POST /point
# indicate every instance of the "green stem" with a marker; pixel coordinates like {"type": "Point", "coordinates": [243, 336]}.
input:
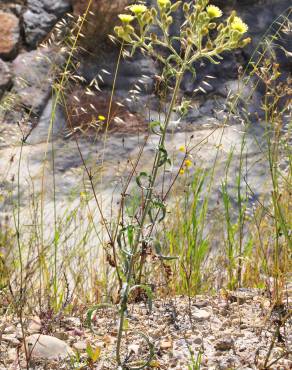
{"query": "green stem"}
{"type": "Point", "coordinates": [146, 209]}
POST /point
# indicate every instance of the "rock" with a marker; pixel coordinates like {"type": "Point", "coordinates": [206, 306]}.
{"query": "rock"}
{"type": "Point", "coordinates": [11, 355]}
{"type": "Point", "coordinates": [9, 329]}
{"type": "Point", "coordinates": [47, 347]}
{"type": "Point", "coordinates": [40, 132]}
{"type": "Point", "coordinates": [9, 35]}
{"type": "Point", "coordinates": [33, 75]}
{"type": "Point", "coordinates": [34, 325]}
{"type": "Point", "coordinates": [201, 315]}
{"type": "Point", "coordinates": [10, 339]}
{"type": "Point", "coordinates": [198, 341]}
{"type": "Point", "coordinates": [165, 344]}
{"type": "Point", "coordinates": [63, 335]}
{"type": "Point", "coordinates": [224, 344]}
{"type": "Point", "coordinates": [5, 77]}
{"type": "Point", "coordinates": [80, 346]}
{"type": "Point", "coordinates": [130, 71]}
{"type": "Point", "coordinates": [40, 16]}
{"type": "Point", "coordinates": [134, 349]}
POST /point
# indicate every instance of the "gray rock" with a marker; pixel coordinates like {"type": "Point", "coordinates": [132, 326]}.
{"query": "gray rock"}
{"type": "Point", "coordinates": [34, 325]}
{"type": "Point", "coordinates": [9, 35]}
{"type": "Point", "coordinates": [224, 344]}
{"type": "Point", "coordinates": [201, 315]}
{"type": "Point", "coordinates": [40, 132]}
{"type": "Point", "coordinates": [5, 77]}
{"type": "Point", "coordinates": [10, 339]}
{"type": "Point", "coordinates": [33, 75]}
{"type": "Point", "coordinates": [130, 71]}
{"type": "Point", "coordinates": [46, 347]}
{"type": "Point", "coordinates": [80, 346]}
{"type": "Point", "coordinates": [40, 16]}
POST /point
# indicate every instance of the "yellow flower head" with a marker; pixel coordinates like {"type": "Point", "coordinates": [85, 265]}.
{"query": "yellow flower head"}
{"type": "Point", "coordinates": [239, 25]}
{"type": "Point", "coordinates": [181, 171]}
{"type": "Point", "coordinates": [213, 11]}
{"type": "Point", "coordinates": [126, 18]}
{"type": "Point", "coordinates": [138, 9]}
{"type": "Point", "coordinates": [182, 149]}
{"type": "Point", "coordinates": [101, 118]}
{"type": "Point", "coordinates": [163, 3]}
{"type": "Point", "coordinates": [188, 163]}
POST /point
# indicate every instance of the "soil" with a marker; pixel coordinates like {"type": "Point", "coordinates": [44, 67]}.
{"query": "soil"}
{"type": "Point", "coordinates": [232, 330]}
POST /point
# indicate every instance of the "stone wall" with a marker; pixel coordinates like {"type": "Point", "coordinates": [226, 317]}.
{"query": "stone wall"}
{"type": "Point", "coordinates": [28, 72]}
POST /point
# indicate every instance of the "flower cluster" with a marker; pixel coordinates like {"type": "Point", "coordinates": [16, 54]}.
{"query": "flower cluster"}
{"type": "Point", "coordinates": [202, 33]}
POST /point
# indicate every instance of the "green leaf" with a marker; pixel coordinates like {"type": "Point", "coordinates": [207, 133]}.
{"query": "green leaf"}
{"type": "Point", "coordinates": [89, 351]}
{"type": "Point", "coordinates": [95, 308]}
{"type": "Point", "coordinates": [158, 250]}
{"type": "Point", "coordinates": [139, 180]}
{"type": "Point", "coordinates": [147, 363]}
{"type": "Point", "coordinates": [157, 203]}
{"type": "Point", "coordinates": [96, 354]}
{"type": "Point", "coordinates": [154, 125]}
{"type": "Point", "coordinates": [163, 156]}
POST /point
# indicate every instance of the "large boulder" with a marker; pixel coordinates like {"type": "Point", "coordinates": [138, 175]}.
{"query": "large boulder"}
{"type": "Point", "coordinates": [34, 73]}
{"type": "Point", "coordinates": [9, 35]}
{"type": "Point", "coordinates": [47, 347]}
{"type": "Point", "coordinates": [40, 16]}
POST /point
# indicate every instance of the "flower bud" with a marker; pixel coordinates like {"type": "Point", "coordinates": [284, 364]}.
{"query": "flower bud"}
{"type": "Point", "coordinates": [119, 31]}
{"type": "Point", "coordinates": [129, 29]}
{"type": "Point", "coordinates": [209, 45]}
{"type": "Point", "coordinates": [212, 26]}
{"type": "Point", "coordinates": [193, 18]}
{"type": "Point", "coordinates": [146, 17]}
{"type": "Point", "coordinates": [175, 6]}
{"type": "Point", "coordinates": [205, 31]}
{"type": "Point", "coordinates": [153, 12]}
{"type": "Point", "coordinates": [202, 17]}
{"type": "Point", "coordinates": [244, 42]}
{"type": "Point", "coordinates": [169, 20]}
{"type": "Point", "coordinates": [235, 35]}
{"type": "Point", "coordinates": [153, 37]}
{"type": "Point", "coordinates": [189, 32]}
{"type": "Point", "coordinates": [164, 18]}
{"type": "Point", "coordinates": [163, 3]}
{"type": "Point", "coordinates": [232, 16]}
{"type": "Point", "coordinates": [220, 27]}
{"type": "Point", "coordinates": [189, 41]}
{"type": "Point", "coordinates": [186, 7]}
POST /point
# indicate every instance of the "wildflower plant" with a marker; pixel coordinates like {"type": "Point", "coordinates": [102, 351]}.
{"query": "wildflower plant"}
{"type": "Point", "coordinates": [203, 36]}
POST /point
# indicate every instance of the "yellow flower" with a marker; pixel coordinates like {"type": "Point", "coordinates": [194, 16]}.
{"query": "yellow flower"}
{"type": "Point", "coordinates": [126, 18]}
{"type": "Point", "coordinates": [213, 11]}
{"type": "Point", "coordinates": [182, 149]}
{"type": "Point", "coordinates": [181, 171]}
{"type": "Point", "coordinates": [138, 9]}
{"type": "Point", "coordinates": [188, 163]}
{"type": "Point", "coordinates": [239, 25]}
{"type": "Point", "coordinates": [163, 3]}
{"type": "Point", "coordinates": [101, 118]}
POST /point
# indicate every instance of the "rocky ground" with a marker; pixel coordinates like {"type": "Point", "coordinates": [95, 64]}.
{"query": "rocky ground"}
{"type": "Point", "coordinates": [234, 330]}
